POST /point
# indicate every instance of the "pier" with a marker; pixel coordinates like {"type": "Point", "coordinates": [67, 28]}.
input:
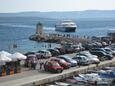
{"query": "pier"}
{"type": "Point", "coordinates": [40, 77]}
{"type": "Point", "coordinates": [59, 38]}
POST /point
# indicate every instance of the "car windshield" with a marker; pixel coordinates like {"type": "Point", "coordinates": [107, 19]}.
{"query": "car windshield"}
{"type": "Point", "coordinates": [55, 64]}
{"type": "Point", "coordinates": [63, 61]}
{"type": "Point", "coordinates": [108, 50]}
{"type": "Point", "coordinates": [84, 58]}
{"type": "Point", "coordinates": [87, 55]}
{"type": "Point", "coordinates": [104, 53]}
{"type": "Point", "coordinates": [68, 58]}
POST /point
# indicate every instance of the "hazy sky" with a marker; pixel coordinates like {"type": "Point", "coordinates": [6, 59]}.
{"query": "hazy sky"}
{"type": "Point", "coordinates": [55, 5]}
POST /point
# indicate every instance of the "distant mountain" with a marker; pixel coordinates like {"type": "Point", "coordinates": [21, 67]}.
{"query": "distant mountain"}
{"type": "Point", "coordinates": [67, 15]}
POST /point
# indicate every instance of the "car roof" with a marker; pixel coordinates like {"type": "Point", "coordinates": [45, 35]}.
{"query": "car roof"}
{"type": "Point", "coordinates": [44, 50]}
{"type": "Point", "coordinates": [54, 58]}
{"type": "Point", "coordinates": [81, 56]}
{"type": "Point", "coordinates": [65, 56]}
{"type": "Point", "coordinates": [50, 61]}
{"type": "Point", "coordinates": [84, 52]}
{"type": "Point", "coordinates": [51, 49]}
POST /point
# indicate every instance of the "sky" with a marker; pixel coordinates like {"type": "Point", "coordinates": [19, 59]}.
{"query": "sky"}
{"type": "Point", "coordinates": [7, 6]}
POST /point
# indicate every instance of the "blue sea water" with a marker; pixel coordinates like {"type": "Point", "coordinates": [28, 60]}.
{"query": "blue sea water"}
{"type": "Point", "coordinates": [16, 30]}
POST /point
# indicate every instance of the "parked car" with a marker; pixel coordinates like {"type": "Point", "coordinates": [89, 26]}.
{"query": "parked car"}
{"type": "Point", "coordinates": [44, 54]}
{"type": "Point", "coordinates": [54, 52]}
{"type": "Point", "coordinates": [102, 49]}
{"type": "Point", "coordinates": [61, 50]}
{"type": "Point", "coordinates": [29, 58]}
{"type": "Point", "coordinates": [68, 48]}
{"type": "Point", "coordinates": [82, 60]}
{"type": "Point", "coordinates": [101, 55]}
{"type": "Point", "coordinates": [112, 46]}
{"type": "Point", "coordinates": [69, 60]}
{"type": "Point", "coordinates": [110, 50]}
{"type": "Point", "coordinates": [53, 66]}
{"type": "Point", "coordinates": [57, 51]}
{"type": "Point", "coordinates": [87, 46]}
{"type": "Point", "coordinates": [93, 58]}
{"type": "Point", "coordinates": [78, 47]}
{"type": "Point", "coordinates": [91, 45]}
{"type": "Point", "coordinates": [29, 53]}
{"type": "Point", "coordinates": [62, 62]}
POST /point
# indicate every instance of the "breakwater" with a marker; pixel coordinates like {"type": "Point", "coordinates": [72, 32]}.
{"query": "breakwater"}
{"type": "Point", "coordinates": [60, 38]}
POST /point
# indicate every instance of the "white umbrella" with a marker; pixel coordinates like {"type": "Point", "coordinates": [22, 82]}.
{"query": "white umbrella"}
{"type": "Point", "coordinates": [4, 58]}
{"type": "Point", "coordinates": [5, 53]}
{"type": "Point", "coordinates": [18, 56]}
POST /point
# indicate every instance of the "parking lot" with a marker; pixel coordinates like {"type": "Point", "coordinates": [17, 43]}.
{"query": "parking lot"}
{"type": "Point", "coordinates": [28, 77]}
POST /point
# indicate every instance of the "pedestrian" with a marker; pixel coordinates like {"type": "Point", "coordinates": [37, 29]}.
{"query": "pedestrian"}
{"type": "Point", "coordinates": [29, 64]}
{"type": "Point", "coordinates": [41, 64]}
{"type": "Point", "coordinates": [34, 62]}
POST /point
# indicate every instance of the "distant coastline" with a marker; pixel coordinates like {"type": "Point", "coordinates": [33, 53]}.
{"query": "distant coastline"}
{"type": "Point", "coordinates": [104, 14]}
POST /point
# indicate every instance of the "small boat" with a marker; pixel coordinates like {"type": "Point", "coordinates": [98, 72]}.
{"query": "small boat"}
{"type": "Point", "coordinates": [87, 78]}
{"type": "Point", "coordinates": [66, 26]}
{"type": "Point", "coordinates": [51, 85]}
{"type": "Point", "coordinates": [104, 81]}
{"type": "Point", "coordinates": [80, 79]}
{"type": "Point", "coordinates": [72, 81]}
{"type": "Point", "coordinates": [107, 74]}
{"type": "Point", "coordinates": [109, 68]}
{"type": "Point", "coordinates": [62, 84]}
{"type": "Point", "coordinates": [92, 78]}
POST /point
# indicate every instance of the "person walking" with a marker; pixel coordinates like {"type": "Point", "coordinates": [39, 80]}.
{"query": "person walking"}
{"type": "Point", "coordinates": [34, 62]}
{"type": "Point", "coordinates": [41, 63]}
{"type": "Point", "coordinates": [30, 64]}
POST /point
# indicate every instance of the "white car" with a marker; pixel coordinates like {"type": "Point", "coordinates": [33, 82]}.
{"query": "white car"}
{"type": "Point", "coordinates": [44, 53]}
{"type": "Point", "coordinates": [110, 50]}
{"type": "Point", "coordinates": [93, 58]}
{"type": "Point", "coordinates": [82, 60]}
{"type": "Point", "coordinates": [112, 46]}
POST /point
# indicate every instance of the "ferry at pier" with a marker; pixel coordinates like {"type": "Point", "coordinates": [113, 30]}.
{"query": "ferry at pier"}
{"type": "Point", "coordinates": [66, 26]}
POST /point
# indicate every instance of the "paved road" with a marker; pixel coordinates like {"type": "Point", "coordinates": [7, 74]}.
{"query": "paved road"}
{"type": "Point", "coordinates": [17, 79]}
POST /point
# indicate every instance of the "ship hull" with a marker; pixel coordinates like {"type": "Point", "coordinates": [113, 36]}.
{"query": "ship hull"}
{"type": "Point", "coordinates": [66, 29]}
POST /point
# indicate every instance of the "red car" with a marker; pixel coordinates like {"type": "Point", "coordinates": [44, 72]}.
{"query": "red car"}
{"type": "Point", "coordinates": [53, 66]}
{"type": "Point", "coordinates": [62, 62]}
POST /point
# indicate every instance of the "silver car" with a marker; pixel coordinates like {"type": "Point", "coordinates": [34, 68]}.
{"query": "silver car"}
{"type": "Point", "coordinates": [93, 58]}
{"type": "Point", "coordinates": [82, 60]}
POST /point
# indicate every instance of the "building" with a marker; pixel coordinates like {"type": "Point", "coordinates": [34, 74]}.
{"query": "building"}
{"type": "Point", "coordinates": [39, 28]}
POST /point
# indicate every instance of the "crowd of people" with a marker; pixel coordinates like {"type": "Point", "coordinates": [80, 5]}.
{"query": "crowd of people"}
{"type": "Point", "coordinates": [36, 63]}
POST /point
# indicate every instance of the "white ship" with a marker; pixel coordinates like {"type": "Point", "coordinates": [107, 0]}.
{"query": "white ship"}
{"type": "Point", "coordinates": [66, 26]}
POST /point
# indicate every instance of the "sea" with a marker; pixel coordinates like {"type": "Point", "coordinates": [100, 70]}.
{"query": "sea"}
{"type": "Point", "coordinates": [16, 31]}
